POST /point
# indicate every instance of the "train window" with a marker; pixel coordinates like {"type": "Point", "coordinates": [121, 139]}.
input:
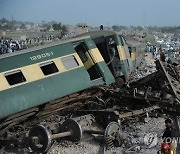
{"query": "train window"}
{"type": "Point", "coordinates": [69, 62]}
{"type": "Point", "coordinates": [48, 68]}
{"type": "Point", "coordinates": [15, 77]}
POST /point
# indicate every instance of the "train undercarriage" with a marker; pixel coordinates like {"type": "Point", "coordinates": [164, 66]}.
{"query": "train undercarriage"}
{"type": "Point", "coordinates": [100, 110]}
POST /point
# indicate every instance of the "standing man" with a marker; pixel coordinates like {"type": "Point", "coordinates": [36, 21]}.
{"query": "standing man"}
{"type": "Point", "coordinates": [169, 135]}
{"type": "Point", "coordinates": [101, 27]}
{"type": "Point", "coordinates": [162, 56]}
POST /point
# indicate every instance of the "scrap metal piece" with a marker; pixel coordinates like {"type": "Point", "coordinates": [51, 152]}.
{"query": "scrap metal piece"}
{"type": "Point", "coordinates": [172, 76]}
{"type": "Point", "coordinates": [162, 86]}
{"type": "Point", "coordinates": [112, 113]}
{"type": "Point", "coordinates": [138, 112]}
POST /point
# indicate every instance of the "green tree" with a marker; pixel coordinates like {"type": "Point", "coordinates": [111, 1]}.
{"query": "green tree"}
{"type": "Point", "coordinates": [22, 26]}
{"type": "Point", "coordinates": [118, 28]}
{"type": "Point", "coordinates": [46, 26]}
{"type": "Point", "coordinates": [57, 26]}
{"type": "Point", "coordinates": [3, 20]}
{"type": "Point", "coordinates": [115, 28]}
{"type": "Point", "coordinates": [64, 28]}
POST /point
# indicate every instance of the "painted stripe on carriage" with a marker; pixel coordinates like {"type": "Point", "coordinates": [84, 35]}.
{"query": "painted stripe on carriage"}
{"type": "Point", "coordinates": [95, 55]}
{"type": "Point", "coordinates": [121, 52]}
{"type": "Point", "coordinates": [33, 72]}
{"type": "Point", "coordinates": [133, 55]}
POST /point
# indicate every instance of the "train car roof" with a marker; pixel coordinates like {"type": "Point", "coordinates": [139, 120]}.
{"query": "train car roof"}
{"type": "Point", "coordinates": [42, 47]}
{"type": "Point", "coordinates": [132, 43]}
{"type": "Point", "coordinates": [98, 33]}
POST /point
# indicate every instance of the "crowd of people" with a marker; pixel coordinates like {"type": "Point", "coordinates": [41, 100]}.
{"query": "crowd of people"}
{"type": "Point", "coordinates": [8, 45]}
{"type": "Point", "coordinates": [168, 56]}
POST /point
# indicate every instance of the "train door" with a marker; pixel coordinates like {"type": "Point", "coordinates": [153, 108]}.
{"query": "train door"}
{"type": "Point", "coordinates": [114, 55]}
{"type": "Point", "coordinates": [102, 47]}
{"type": "Point", "coordinates": [88, 61]}
{"type": "Point", "coordinates": [108, 50]}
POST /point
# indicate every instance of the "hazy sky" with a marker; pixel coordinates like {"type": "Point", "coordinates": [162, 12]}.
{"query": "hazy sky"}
{"type": "Point", "coordinates": [94, 12]}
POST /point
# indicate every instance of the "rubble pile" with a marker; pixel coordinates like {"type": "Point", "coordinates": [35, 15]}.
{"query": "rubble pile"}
{"type": "Point", "coordinates": [144, 137]}
{"type": "Point", "coordinates": [147, 67]}
{"type": "Point", "coordinates": [67, 147]}
{"type": "Point", "coordinates": [90, 146]}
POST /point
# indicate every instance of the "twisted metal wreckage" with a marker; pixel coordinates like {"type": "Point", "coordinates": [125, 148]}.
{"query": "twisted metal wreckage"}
{"type": "Point", "coordinates": [159, 90]}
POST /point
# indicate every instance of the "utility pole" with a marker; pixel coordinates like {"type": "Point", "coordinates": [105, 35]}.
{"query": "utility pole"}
{"type": "Point", "coordinates": [12, 23]}
{"type": "Point", "coordinates": [144, 16]}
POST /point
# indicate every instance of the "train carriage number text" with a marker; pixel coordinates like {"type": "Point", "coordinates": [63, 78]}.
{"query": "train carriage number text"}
{"type": "Point", "coordinates": [44, 55]}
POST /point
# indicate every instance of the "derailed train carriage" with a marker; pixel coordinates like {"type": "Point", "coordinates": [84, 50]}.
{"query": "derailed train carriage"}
{"type": "Point", "coordinates": [33, 78]}
{"type": "Point", "coordinates": [36, 76]}
{"type": "Point", "coordinates": [120, 56]}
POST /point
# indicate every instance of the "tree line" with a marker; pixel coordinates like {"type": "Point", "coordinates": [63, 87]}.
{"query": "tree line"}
{"type": "Point", "coordinates": [9, 25]}
{"type": "Point", "coordinates": [166, 29]}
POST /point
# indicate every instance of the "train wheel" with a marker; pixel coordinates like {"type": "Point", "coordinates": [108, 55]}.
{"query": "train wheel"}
{"type": "Point", "coordinates": [112, 135]}
{"type": "Point", "coordinates": [75, 129]}
{"type": "Point", "coordinates": [40, 139]}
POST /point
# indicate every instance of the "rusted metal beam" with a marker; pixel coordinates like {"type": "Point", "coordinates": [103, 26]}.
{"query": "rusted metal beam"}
{"type": "Point", "coordinates": [138, 112]}
{"type": "Point", "coordinates": [172, 77]}
{"type": "Point", "coordinates": [18, 119]}
{"type": "Point", "coordinates": [119, 115]}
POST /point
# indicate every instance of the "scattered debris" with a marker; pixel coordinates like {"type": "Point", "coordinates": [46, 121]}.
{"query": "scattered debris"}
{"type": "Point", "coordinates": [154, 86]}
